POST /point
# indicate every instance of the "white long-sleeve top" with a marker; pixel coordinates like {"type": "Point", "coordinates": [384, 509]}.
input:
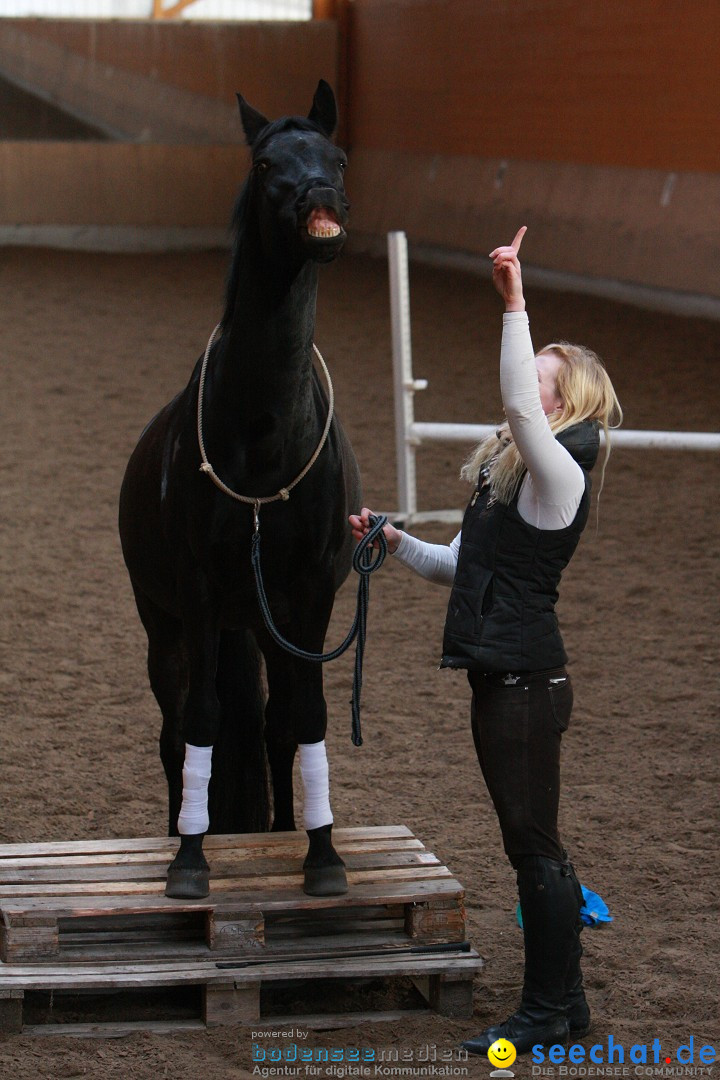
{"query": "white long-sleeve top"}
{"type": "Point", "coordinates": [554, 483]}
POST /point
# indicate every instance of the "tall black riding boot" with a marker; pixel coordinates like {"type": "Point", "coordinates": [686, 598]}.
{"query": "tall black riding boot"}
{"type": "Point", "coordinates": [576, 1006]}
{"type": "Point", "coordinates": [550, 907]}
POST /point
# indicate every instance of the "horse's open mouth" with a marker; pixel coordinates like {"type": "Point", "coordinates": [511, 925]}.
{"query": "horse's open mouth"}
{"type": "Point", "coordinates": [322, 224]}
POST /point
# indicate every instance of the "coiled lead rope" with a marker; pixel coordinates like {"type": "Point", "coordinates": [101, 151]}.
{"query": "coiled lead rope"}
{"type": "Point", "coordinates": [364, 565]}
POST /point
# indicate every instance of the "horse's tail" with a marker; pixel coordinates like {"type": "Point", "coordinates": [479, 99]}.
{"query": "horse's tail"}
{"type": "Point", "coordinates": [239, 798]}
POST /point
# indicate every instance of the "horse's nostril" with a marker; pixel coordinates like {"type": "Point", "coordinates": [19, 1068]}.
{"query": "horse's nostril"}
{"type": "Point", "coordinates": [322, 195]}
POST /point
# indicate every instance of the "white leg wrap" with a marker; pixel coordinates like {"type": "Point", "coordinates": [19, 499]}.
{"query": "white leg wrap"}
{"type": "Point", "coordinates": [316, 785]}
{"type": "Point", "coordinates": [193, 817]}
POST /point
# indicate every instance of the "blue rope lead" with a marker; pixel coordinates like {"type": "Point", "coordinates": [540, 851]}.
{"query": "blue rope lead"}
{"type": "Point", "coordinates": [364, 565]}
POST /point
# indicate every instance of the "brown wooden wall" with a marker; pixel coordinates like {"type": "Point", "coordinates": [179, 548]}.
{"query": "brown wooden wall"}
{"type": "Point", "coordinates": [169, 81]}
{"type": "Point", "coordinates": [166, 92]}
{"type": "Point", "coordinates": [269, 61]}
{"type": "Point", "coordinates": [595, 82]}
{"type": "Point", "coordinates": [594, 122]}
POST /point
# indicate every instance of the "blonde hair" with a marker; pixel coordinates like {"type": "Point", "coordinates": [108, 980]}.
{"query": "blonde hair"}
{"type": "Point", "coordinates": [585, 389]}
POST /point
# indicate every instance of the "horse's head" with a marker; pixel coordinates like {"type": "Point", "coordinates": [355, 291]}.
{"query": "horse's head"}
{"type": "Point", "coordinates": [297, 177]}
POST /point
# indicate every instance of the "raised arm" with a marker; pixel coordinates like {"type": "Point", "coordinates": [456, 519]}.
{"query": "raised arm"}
{"type": "Point", "coordinates": [552, 491]}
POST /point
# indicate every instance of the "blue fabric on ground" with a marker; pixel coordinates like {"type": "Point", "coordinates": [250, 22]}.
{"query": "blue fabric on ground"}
{"type": "Point", "coordinates": [594, 911]}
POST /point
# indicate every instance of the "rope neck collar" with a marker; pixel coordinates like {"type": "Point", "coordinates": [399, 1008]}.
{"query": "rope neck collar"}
{"type": "Point", "coordinates": [284, 493]}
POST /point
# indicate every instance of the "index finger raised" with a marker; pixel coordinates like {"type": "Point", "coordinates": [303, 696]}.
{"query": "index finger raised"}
{"type": "Point", "coordinates": [518, 238]}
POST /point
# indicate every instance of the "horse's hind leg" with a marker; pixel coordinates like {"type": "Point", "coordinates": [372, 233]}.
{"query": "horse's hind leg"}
{"type": "Point", "coordinates": [167, 670]}
{"type": "Point", "coordinates": [238, 795]}
{"type": "Point", "coordinates": [281, 749]}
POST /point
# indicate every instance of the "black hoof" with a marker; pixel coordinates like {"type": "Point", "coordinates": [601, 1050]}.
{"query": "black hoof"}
{"type": "Point", "coordinates": [184, 884]}
{"type": "Point", "coordinates": [325, 880]}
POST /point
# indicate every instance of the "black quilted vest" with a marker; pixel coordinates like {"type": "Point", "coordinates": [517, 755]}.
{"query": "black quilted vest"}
{"type": "Point", "coordinates": [501, 614]}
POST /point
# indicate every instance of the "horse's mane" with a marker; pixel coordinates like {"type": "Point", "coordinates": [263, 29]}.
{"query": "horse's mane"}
{"type": "Point", "coordinates": [238, 220]}
{"type": "Point", "coordinates": [237, 230]}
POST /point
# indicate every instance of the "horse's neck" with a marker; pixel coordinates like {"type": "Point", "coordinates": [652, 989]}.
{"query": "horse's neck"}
{"type": "Point", "coordinates": [267, 359]}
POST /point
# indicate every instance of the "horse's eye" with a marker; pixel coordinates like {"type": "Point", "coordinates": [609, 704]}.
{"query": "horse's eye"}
{"type": "Point", "coordinates": [342, 165]}
{"type": "Point", "coordinates": [261, 166]}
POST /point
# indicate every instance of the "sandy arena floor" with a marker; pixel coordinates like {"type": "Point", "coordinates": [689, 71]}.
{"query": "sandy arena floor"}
{"type": "Point", "coordinates": [91, 347]}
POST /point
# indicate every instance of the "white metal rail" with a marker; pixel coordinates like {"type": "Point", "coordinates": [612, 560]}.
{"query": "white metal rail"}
{"type": "Point", "coordinates": [410, 434]}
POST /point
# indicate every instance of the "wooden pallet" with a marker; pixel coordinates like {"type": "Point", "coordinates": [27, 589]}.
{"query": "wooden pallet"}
{"type": "Point", "coordinates": [91, 917]}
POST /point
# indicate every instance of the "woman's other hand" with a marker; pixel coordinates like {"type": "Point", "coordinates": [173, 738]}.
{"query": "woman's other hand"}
{"type": "Point", "coordinates": [506, 275]}
{"type": "Point", "coordinates": [360, 525]}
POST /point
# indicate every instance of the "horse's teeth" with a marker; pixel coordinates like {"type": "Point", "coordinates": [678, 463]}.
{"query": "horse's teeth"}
{"type": "Point", "coordinates": [324, 230]}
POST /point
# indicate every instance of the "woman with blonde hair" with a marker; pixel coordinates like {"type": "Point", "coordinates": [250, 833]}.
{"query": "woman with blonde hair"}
{"type": "Point", "coordinates": [530, 504]}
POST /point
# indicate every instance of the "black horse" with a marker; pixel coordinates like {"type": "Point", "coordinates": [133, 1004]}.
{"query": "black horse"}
{"type": "Point", "coordinates": [187, 542]}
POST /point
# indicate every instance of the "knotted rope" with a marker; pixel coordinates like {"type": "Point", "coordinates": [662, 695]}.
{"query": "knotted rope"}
{"type": "Point", "coordinates": [206, 467]}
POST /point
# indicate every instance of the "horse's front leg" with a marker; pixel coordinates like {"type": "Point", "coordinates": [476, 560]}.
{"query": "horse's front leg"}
{"type": "Point", "coordinates": [324, 870]}
{"type": "Point", "coordinates": [188, 875]}
{"type": "Point", "coordinates": [296, 714]}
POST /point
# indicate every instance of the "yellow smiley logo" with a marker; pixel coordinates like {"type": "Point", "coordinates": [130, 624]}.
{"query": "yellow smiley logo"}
{"type": "Point", "coordinates": [502, 1053]}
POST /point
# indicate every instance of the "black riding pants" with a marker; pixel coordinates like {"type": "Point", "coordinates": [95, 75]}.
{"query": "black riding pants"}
{"type": "Point", "coordinates": [517, 728]}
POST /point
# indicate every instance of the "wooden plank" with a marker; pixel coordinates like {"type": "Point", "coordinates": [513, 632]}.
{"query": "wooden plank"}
{"type": "Point", "coordinates": [97, 945]}
{"type": "Point", "coordinates": [392, 964]}
{"type": "Point", "coordinates": [358, 879]}
{"type": "Point", "coordinates": [449, 993]}
{"type": "Point", "coordinates": [102, 905]}
{"type": "Point", "coordinates": [315, 1022]}
{"type": "Point", "coordinates": [13, 880]}
{"type": "Point", "coordinates": [137, 929]}
{"type": "Point", "coordinates": [158, 972]}
{"type": "Point", "coordinates": [104, 953]}
{"type": "Point", "coordinates": [232, 927]}
{"type": "Point", "coordinates": [229, 852]}
{"type": "Point", "coordinates": [377, 893]}
{"type": "Point", "coordinates": [452, 995]}
{"type": "Point", "coordinates": [386, 892]}
{"type": "Point", "coordinates": [12, 976]}
{"type": "Point", "coordinates": [114, 1030]}
{"type": "Point", "coordinates": [231, 1004]}
{"type": "Point", "coordinates": [82, 869]}
{"type": "Point", "coordinates": [17, 916]}
{"type": "Point", "coordinates": [234, 997]}
{"type": "Point", "coordinates": [435, 921]}
{"type": "Point", "coordinates": [212, 841]}
{"type": "Point", "coordinates": [102, 950]}
{"type": "Point", "coordinates": [104, 978]}
{"type": "Point", "coordinates": [336, 943]}
{"type": "Point", "coordinates": [400, 892]}
{"type": "Point", "coordinates": [37, 910]}
{"type": "Point", "coordinates": [11, 1011]}
{"type": "Point", "coordinates": [25, 942]}
{"type": "Point", "coordinates": [129, 975]}
{"type": "Point", "coordinates": [27, 912]}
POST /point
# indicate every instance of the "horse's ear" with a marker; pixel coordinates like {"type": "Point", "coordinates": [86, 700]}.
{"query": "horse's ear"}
{"type": "Point", "coordinates": [252, 121]}
{"type": "Point", "coordinates": [324, 109]}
